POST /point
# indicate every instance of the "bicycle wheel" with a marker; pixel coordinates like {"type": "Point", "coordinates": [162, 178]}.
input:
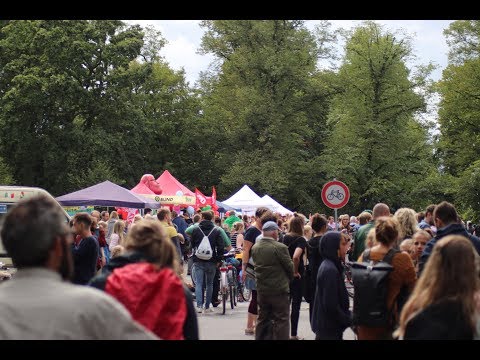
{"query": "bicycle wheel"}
{"type": "Point", "coordinates": [330, 197]}
{"type": "Point", "coordinates": [224, 300]}
{"type": "Point", "coordinates": [232, 297]}
{"type": "Point", "coordinates": [192, 275]}
{"type": "Point", "coordinates": [340, 196]}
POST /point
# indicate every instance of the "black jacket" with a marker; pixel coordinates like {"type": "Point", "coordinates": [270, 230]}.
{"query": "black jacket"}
{"type": "Point", "coordinates": [444, 320]}
{"type": "Point", "coordinates": [190, 328]}
{"type": "Point", "coordinates": [330, 315]}
{"type": "Point", "coordinates": [216, 240]}
{"type": "Point", "coordinates": [314, 261]}
{"type": "Point", "coordinates": [451, 229]}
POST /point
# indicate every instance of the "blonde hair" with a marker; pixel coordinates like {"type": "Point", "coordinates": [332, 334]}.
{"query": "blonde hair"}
{"type": "Point", "coordinates": [423, 233]}
{"type": "Point", "coordinates": [307, 228]}
{"type": "Point", "coordinates": [116, 251]}
{"type": "Point", "coordinates": [407, 219]}
{"type": "Point", "coordinates": [118, 228]}
{"type": "Point", "coordinates": [114, 215]}
{"type": "Point", "coordinates": [103, 224]}
{"type": "Point", "coordinates": [451, 272]}
{"type": "Point", "coordinates": [408, 244]}
{"type": "Point", "coordinates": [150, 238]}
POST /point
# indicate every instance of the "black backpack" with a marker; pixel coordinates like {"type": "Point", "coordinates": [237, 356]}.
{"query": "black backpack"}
{"type": "Point", "coordinates": [370, 282]}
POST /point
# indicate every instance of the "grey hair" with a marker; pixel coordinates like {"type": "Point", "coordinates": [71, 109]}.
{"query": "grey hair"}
{"type": "Point", "coordinates": [30, 229]}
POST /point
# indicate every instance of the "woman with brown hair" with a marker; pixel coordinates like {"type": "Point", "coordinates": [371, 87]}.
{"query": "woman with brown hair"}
{"type": "Point", "coordinates": [444, 303]}
{"type": "Point", "coordinates": [296, 244]}
{"type": "Point", "coordinates": [145, 280]}
{"type": "Point", "coordinates": [402, 276]}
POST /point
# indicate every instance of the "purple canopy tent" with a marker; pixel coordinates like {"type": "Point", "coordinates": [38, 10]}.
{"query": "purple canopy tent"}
{"type": "Point", "coordinates": [107, 194]}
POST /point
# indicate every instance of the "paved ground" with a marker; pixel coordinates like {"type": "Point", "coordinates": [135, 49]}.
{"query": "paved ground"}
{"type": "Point", "coordinates": [231, 326]}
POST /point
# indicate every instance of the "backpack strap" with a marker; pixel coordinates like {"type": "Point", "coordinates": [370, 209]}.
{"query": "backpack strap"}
{"type": "Point", "coordinates": [389, 255]}
{"type": "Point", "coordinates": [210, 231]}
{"type": "Point", "coordinates": [198, 227]}
{"type": "Point", "coordinates": [366, 255]}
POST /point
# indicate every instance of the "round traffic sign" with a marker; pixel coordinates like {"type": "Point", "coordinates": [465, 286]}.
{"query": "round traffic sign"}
{"type": "Point", "coordinates": [335, 194]}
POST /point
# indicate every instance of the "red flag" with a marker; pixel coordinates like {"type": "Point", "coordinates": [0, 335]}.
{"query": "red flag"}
{"type": "Point", "coordinates": [214, 196]}
{"type": "Point", "coordinates": [201, 199]}
{"type": "Point", "coordinates": [214, 199]}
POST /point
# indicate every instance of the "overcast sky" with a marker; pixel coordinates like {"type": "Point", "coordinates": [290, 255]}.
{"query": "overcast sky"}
{"type": "Point", "coordinates": [184, 37]}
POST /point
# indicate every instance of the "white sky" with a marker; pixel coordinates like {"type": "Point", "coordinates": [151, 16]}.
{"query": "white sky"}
{"type": "Point", "coordinates": [184, 37]}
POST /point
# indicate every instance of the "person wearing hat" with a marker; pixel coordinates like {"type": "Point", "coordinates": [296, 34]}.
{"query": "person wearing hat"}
{"type": "Point", "coordinates": [273, 272]}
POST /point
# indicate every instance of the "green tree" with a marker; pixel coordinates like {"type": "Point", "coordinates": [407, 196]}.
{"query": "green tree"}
{"type": "Point", "coordinates": [85, 101]}
{"type": "Point", "coordinates": [459, 114]}
{"type": "Point", "coordinates": [261, 105]}
{"type": "Point", "coordinates": [5, 174]}
{"type": "Point", "coordinates": [375, 144]}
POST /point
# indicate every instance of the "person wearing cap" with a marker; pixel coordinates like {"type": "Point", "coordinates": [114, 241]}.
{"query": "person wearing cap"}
{"type": "Point", "coordinates": [273, 272]}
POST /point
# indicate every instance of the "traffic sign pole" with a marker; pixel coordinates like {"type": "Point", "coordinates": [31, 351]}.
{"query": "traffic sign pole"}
{"type": "Point", "coordinates": [336, 220]}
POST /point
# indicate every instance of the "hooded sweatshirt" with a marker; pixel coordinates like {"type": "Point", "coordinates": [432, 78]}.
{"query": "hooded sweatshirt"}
{"type": "Point", "coordinates": [330, 316]}
{"type": "Point", "coordinates": [451, 229]}
{"type": "Point", "coordinates": [156, 298]}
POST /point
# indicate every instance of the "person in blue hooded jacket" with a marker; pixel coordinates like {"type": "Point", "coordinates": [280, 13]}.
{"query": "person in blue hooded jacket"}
{"type": "Point", "coordinates": [447, 222]}
{"type": "Point", "coordinates": [331, 314]}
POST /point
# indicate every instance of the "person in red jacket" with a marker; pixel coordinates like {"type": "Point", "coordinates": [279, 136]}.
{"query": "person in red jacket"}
{"type": "Point", "coordinates": [145, 280]}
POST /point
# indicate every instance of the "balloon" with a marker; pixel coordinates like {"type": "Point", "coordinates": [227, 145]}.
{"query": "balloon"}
{"type": "Point", "coordinates": [179, 193]}
{"type": "Point", "coordinates": [146, 178]}
{"type": "Point", "coordinates": [190, 210]}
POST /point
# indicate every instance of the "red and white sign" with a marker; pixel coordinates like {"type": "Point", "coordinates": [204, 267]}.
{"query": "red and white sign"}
{"type": "Point", "coordinates": [335, 194]}
{"type": "Point", "coordinates": [201, 199]}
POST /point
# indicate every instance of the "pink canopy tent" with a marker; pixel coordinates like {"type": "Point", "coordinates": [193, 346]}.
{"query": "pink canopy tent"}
{"type": "Point", "coordinates": [172, 186]}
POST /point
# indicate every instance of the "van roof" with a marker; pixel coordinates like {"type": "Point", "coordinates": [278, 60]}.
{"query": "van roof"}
{"type": "Point", "coordinates": [9, 196]}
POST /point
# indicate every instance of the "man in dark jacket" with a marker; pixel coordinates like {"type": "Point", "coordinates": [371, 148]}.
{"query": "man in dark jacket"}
{"type": "Point", "coordinates": [273, 273]}
{"type": "Point", "coordinates": [206, 267]}
{"type": "Point", "coordinates": [85, 252]}
{"type": "Point", "coordinates": [331, 314]}
{"type": "Point", "coordinates": [447, 223]}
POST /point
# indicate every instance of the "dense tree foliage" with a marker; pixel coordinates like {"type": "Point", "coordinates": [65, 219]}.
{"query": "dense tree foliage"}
{"type": "Point", "coordinates": [268, 105]}
{"type": "Point", "coordinates": [375, 145]}
{"type": "Point", "coordinates": [88, 100]}
{"type": "Point", "coordinates": [459, 114]}
{"type": "Point", "coordinates": [78, 105]}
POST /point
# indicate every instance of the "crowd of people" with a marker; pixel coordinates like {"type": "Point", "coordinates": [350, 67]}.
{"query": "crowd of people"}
{"type": "Point", "coordinates": [122, 280]}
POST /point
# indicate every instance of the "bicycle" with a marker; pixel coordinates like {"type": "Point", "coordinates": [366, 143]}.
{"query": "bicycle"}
{"type": "Point", "coordinates": [336, 194]}
{"type": "Point", "coordinates": [228, 281]}
{"type": "Point", "coordinates": [245, 294]}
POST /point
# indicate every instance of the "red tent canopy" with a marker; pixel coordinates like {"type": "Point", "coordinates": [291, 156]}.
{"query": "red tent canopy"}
{"type": "Point", "coordinates": [171, 186]}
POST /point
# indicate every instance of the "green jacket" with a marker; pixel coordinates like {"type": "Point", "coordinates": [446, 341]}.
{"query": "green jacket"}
{"type": "Point", "coordinates": [232, 220]}
{"type": "Point", "coordinates": [273, 266]}
{"type": "Point", "coordinates": [359, 240]}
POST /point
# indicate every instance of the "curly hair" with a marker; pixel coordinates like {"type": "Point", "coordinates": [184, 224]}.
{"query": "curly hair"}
{"type": "Point", "coordinates": [407, 218]}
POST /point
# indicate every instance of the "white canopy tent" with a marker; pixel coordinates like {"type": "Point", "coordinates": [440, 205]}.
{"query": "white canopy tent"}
{"type": "Point", "coordinates": [276, 206]}
{"type": "Point", "coordinates": [246, 199]}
